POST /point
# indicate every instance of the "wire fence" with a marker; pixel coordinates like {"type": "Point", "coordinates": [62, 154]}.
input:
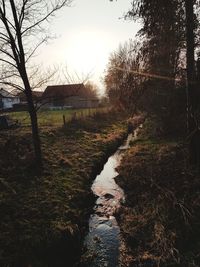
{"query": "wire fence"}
{"type": "Point", "coordinates": [56, 118]}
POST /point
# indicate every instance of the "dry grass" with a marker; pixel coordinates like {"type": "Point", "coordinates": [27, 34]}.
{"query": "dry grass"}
{"type": "Point", "coordinates": [43, 218]}
{"type": "Point", "coordinates": [161, 218]}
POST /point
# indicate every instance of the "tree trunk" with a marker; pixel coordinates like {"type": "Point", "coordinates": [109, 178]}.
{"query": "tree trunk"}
{"type": "Point", "coordinates": [193, 131]}
{"type": "Point", "coordinates": [35, 131]}
{"type": "Point", "coordinates": [19, 57]}
{"type": "Point", "coordinates": [34, 122]}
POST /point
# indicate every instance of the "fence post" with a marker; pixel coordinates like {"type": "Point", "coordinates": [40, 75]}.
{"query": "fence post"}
{"type": "Point", "coordinates": [74, 117]}
{"type": "Point", "coordinates": [64, 121]}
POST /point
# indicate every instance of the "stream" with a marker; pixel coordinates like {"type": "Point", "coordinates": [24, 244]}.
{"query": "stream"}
{"type": "Point", "coordinates": [103, 240]}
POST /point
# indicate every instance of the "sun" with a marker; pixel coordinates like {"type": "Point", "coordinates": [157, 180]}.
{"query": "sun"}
{"type": "Point", "coordinates": [86, 51]}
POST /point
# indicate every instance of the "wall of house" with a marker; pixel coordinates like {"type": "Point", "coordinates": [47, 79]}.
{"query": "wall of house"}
{"type": "Point", "coordinates": [9, 102]}
{"type": "Point", "coordinates": [72, 102]}
{"type": "Point", "coordinates": [1, 103]}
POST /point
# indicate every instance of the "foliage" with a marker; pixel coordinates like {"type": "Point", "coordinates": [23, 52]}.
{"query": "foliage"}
{"type": "Point", "coordinates": [156, 76]}
{"type": "Point", "coordinates": [91, 89]}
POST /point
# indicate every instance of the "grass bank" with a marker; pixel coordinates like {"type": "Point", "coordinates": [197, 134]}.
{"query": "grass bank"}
{"type": "Point", "coordinates": [44, 218]}
{"type": "Point", "coordinates": [160, 220]}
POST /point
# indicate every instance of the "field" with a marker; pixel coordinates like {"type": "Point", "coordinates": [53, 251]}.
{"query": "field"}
{"type": "Point", "coordinates": [54, 117]}
{"type": "Point", "coordinates": [43, 218]}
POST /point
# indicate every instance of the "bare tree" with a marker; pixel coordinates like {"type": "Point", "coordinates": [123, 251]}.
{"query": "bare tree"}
{"type": "Point", "coordinates": [91, 89]}
{"type": "Point", "coordinates": [23, 25]}
{"type": "Point", "coordinates": [123, 79]}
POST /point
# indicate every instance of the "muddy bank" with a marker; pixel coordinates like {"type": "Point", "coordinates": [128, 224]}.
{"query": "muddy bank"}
{"type": "Point", "coordinates": [160, 219]}
{"type": "Point", "coordinates": [44, 218]}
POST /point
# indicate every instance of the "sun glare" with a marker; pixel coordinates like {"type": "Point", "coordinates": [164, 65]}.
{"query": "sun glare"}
{"type": "Point", "coordinates": [86, 52]}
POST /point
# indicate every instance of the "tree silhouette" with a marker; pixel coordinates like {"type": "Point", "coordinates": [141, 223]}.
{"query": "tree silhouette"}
{"type": "Point", "coordinates": [22, 23]}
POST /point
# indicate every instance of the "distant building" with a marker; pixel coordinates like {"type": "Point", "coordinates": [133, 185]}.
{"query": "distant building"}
{"type": "Point", "coordinates": [37, 97]}
{"type": "Point", "coordinates": [7, 99]}
{"type": "Point", "coordinates": [68, 96]}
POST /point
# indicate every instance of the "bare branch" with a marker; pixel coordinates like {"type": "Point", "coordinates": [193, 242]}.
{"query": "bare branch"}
{"type": "Point", "coordinates": [9, 76]}
{"type": "Point", "coordinates": [13, 85]}
{"type": "Point", "coordinates": [8, 62]}
{"type": "Point", "coordinates": [55, 8]}
{"type": "Point", "coordinates": [6, 53]}
{"type": "Point", "coordinates": [22, 13]}
{"type": "Point", "coordinates": [44, 80]}
{"type": "Point", "coordinates": [10, 36]}
{"type": "Point", "coordinates": [10, 23]}
{"type": "Point", "coordinates": [4, 7]}
{"type": "Point", "coordinates": [35, 49]}
{"type": "Point", "coordinates": [18, 34]}
{"type": "Point", "coordinates": [4, 37]}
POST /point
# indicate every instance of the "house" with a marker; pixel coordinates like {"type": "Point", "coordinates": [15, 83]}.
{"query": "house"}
{"type": "Point", "coordinates": [37, 98]}
{"type": "Point", "coordinates": [22, 105]}
{"type": "Point", "coordinates": [7, 99]}
{"type": "Point", "coordinates": [68, 96]}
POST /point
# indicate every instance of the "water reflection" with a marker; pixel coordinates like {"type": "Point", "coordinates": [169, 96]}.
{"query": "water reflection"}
{"type": "Point", "coordinates": [103, 239]}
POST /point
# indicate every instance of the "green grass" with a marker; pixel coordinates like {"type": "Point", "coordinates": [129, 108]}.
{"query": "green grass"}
{"type": "Point", "coordinates": [53, 117]}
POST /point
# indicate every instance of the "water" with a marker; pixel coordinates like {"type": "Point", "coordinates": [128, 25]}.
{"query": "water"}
{"type": "Point", "coordinates": [103, 239]}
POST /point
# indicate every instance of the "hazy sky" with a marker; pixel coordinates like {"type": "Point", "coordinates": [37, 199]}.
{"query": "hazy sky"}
{"type": "Point", "coordinates": [86, 34]}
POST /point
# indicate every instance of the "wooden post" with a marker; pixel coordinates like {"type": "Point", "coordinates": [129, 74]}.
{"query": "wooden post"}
{"type": "Point", "coordinates": [64, 121]}
{"type": "Point", "coordinates": [74, 116]}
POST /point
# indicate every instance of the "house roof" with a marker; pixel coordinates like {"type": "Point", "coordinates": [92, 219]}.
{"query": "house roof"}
{"type": "Point", "coordinates": [67, 90]}
{"type": "Point", "coordinates": [36, 95]}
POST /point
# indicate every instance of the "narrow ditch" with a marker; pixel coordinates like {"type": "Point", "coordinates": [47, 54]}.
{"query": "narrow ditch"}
{"type": "Point", "coordinates": [103, 239]}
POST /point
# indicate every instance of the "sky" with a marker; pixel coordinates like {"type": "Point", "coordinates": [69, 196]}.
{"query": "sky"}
{"type": "Point", "coordinates": [86, 33]}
